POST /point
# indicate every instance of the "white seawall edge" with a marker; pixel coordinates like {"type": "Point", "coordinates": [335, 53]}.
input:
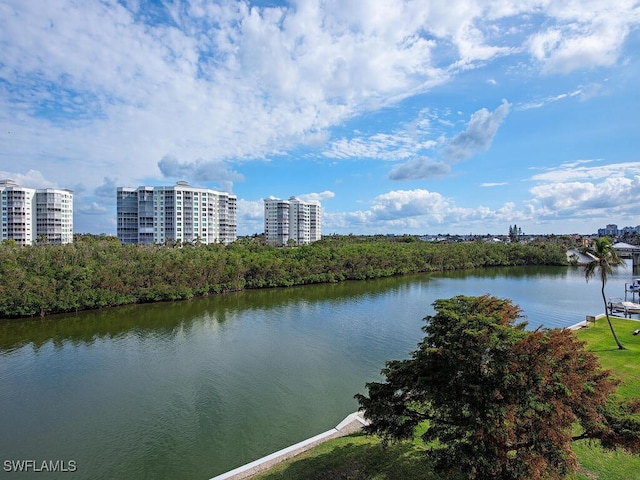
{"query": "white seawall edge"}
{"type": "Point", "coordinates": [264, 463]}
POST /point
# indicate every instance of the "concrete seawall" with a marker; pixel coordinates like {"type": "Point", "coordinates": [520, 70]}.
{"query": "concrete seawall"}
{"type": "Point", "coordinates": [585, 323]}
{"type": "Point", "coordinates": [352, 423]}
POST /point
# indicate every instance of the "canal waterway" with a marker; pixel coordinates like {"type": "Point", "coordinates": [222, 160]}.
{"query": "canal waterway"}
{"type": "Point", "coordinates": [188, 390]}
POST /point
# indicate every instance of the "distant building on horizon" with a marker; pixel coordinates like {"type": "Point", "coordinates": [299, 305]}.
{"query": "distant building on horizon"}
{"type": "Point", "coordinates": [609, 230]}
{"type": "Point", "coordinates": [292, 220]}
{"type": "Point", "coordinates": [612, 230]}
{"type": "Point", "coordinates": [155, 215]}
{"type": "Point", "coordinates": [36, 215]}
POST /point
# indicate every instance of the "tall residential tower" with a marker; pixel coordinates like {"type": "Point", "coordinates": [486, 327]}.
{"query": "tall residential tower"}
{"type": "Point", "coordinates": [36, 215]}
{"type": "Point", "coordinates": [177, 213]}
{"type": "Point", "coordinates": [292, 221]}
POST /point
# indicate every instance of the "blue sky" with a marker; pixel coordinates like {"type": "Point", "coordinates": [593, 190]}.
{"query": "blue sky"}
{"type": "Point", "coordinates": [452, 116]}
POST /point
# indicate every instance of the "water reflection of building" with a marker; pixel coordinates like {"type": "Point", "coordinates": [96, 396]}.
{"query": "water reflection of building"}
{"type": "Point", "coordinates": [36, 215]}
{"type": "Point", "coordinates": [179, 213]}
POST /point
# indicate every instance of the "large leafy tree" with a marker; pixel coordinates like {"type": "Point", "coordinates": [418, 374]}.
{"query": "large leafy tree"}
{"type": "Point", "coordinates": [604, 259]}
{"type": "Point", "coordinates": [501, 402]}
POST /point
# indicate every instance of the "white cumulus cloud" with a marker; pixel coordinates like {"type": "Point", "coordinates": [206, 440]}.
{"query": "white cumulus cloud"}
{"type": "Point", "coordinates": [316, 197]}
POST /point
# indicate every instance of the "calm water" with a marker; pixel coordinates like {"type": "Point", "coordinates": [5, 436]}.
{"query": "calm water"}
{"type": "Point", "coordinates": [192, 389]}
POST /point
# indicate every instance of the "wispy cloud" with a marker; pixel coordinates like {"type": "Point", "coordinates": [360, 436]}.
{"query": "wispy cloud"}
{"type": "Point", "coordinates": [259, 79]}
{"type": "Point", "coordinates": [493, 184]}
{"type": "Point", "coordinates": [478, 135]}
{"type": "Point", "coordinates": [319, 197]}
{"type": "Point", "coordinates": [576, 171]}
{"type": "Point", "coordinates": [30, 179]}
{"type": "Point", "coordinates": [583, 37]}
{"type": "Point", "coordinates": [216, 171]}
{"type": "Point", "coordinates": [547, 100]}
{"type": "Point", "coordinates": [407, 140]}
{"type": "Point", "coordinates": [196, 90]}
{"type": "Point", "coordinates": [419, 168]}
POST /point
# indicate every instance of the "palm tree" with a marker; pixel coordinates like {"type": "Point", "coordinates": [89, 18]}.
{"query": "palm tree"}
{"type": "Point", "coordinates": [605, 258]}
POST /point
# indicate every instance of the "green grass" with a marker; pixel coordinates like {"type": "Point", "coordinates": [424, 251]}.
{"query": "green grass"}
{"type": "Point", "coordinates": [359, 457]}
{"type": "Point", "coordinates": [356, 457]}
{"type": "Point", "coordinates": [624, 363]}
{"type": "Point", "coordinates": [595, 462]}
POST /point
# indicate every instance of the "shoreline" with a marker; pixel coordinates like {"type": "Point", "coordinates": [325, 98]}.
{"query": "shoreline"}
{"type": "Point", "coordinates": [98, 273]}
{"type": "Point", "coordinates": [351, 424]}
{"type": "Point", "coordinates": [585, 323]}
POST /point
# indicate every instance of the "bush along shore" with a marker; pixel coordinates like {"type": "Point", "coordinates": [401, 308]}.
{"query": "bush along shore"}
{"type": "Point", "coordinates": [97, 271]}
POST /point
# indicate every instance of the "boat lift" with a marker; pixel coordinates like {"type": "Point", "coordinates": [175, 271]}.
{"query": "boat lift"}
{"type": "Point", "coordinates": [633, 288]}
{"type": "Point", "coordinates": [617, 305]}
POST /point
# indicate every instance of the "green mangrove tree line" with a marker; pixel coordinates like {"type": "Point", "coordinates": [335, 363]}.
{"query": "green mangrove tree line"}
{"type": "Point", "coordinates": [96, 271]}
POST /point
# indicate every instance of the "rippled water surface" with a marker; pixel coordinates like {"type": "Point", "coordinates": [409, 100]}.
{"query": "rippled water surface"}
{"type": "Point", "coordinates": [192, 389]}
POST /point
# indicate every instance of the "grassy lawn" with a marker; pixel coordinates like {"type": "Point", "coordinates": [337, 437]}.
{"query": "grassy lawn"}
{"type": "Point", "coordinates": [358, 457]}
{"type": "Point", "coordinates": [596, 463]}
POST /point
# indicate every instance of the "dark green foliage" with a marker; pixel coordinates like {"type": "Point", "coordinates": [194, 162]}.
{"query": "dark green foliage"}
{"type": "Point", "coordinates": [500, 401]}
{"type": "Point", "coordinates": [515, 233]}
{"type": "Point", "coordinates": [96, 271]}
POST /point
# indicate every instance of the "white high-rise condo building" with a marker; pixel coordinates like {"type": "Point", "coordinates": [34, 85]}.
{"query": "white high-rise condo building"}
{"type": "Point", "coordinates": [178, 213]}
{"type": "Point", "coordinates": [292, 221]}
{"type": "Point", "coordinates": [36, 215]}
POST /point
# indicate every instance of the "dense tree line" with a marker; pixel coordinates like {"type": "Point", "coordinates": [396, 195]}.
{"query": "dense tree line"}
{"type": "Point", "coordinates": [96, 271]}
